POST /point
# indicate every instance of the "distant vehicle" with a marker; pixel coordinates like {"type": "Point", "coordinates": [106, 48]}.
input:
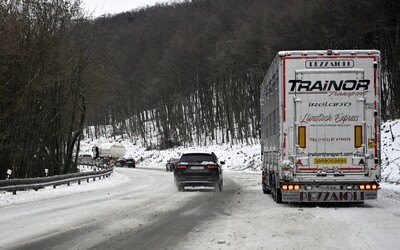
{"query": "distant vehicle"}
{"type": "Point", "coordinates": [85, 159]}
{"type": "Point", "coordinates": [119, 162]}
{"type": "Point", "coordinates": [171, 164]}
{"type": "Point", "coordinates": [320, 126]}
{"type": "Point", "coordinates": [129, 162]}
{"type": "Point", "coordinates": [109, 150]}
{"type": "Point", "coordinates": [198, 169]}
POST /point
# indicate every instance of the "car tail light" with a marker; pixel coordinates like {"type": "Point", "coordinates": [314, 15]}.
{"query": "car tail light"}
{"type": "Point", "coordinates": [212, 166]}
{"type": "Point", "coordinates": [181, 166]}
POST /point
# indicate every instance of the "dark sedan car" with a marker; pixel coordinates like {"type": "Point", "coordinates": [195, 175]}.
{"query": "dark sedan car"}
{"type": "Point", "coordinates": [129, 164]}
{"type": "Point", "coordinates": [125, 162]}
{"type": "Point", "coordinates": [198, 169]}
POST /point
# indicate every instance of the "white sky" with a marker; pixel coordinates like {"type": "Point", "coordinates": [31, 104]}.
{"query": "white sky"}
{"type": "Point", "coordinates": [101, 7]}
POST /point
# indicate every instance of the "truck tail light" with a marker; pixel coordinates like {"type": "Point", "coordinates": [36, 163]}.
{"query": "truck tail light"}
{"type": "Point", "coordinates": [369, 186]}
{"type": "Point", "coordinates": [290, 187]}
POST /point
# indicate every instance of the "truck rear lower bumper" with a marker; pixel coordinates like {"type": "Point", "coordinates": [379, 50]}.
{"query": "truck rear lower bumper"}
{"type": "Point", "coordinates": [329, 196]}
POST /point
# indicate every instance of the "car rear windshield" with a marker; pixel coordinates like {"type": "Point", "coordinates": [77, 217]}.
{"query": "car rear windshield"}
{"type": "Point", "coordinates": [197, 158]}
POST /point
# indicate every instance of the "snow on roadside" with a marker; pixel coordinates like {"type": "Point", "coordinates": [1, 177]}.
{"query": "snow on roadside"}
{"type": "Point", "coordinates": [390, 141]}
{"type": "Point", "coordinates": [235, 156]}
{"type": "Point", "coordinates": [8, 199]}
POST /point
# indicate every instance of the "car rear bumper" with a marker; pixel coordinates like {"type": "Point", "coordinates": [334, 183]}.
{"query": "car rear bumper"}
{"type": "Point", "coordinates": [197, 182]}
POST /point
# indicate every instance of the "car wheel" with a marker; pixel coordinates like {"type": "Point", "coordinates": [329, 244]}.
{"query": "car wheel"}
{"type": "Point", "coordinates": [220, 186]}
{"type": "Point", "coordinates": [180, 188]}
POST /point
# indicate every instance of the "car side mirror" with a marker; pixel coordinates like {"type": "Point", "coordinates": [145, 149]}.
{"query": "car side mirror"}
{"type": "Point", "coordinates": [222, 162]}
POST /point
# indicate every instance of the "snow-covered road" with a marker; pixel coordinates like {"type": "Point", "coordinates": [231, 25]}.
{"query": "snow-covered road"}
{"type": "Point", "coordinates": [145, 211]}
{"type": "Point", "coordinates": [252, 220]}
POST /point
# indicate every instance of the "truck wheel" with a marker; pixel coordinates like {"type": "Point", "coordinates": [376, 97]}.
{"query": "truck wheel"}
{"type": "Point", "coordinates": [266, 190]}
{"type": "Point", "coordinates": [278, 195]}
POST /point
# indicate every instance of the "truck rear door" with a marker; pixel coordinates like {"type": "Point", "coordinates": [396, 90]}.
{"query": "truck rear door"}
{"type": "Point", "coordinates": [330, 125]}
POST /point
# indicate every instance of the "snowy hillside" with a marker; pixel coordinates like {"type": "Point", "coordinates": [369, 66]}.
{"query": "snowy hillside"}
{"type": "Point", "coordinates": [390, 139]}
{"type": "Point", "coordinates": [247, 157]}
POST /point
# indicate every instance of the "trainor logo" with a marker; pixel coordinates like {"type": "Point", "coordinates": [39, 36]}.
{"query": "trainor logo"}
{"type": "Point", "coordinates": [328, 85]}
{"type": "Point", "coordinates": [329, 63]}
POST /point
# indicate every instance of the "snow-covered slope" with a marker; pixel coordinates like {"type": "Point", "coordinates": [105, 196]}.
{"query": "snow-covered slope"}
{"type": "Point", "coordinates": [390, 139]}
{"type": "Point", "coordinates": [247, 157]}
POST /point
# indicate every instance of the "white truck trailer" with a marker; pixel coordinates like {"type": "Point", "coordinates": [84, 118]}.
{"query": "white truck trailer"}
{"type": "Point", "coordinates": [113, 150]}
{"type": "Point", "coordinates": [320, 127]}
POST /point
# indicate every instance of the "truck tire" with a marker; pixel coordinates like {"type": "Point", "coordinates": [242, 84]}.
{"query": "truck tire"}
{"type": "Point", "coordinates": [266, 189]}
{"type": "Point", "coordinates": [276, 193]}
{"type": "Point", "coordinates": [278, 196]}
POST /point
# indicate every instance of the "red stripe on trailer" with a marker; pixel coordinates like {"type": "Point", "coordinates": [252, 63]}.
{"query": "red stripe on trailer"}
{"type": "Point", "coordinates": [375, 108]}
{"type": "Point", "coordinates": [284, 90]}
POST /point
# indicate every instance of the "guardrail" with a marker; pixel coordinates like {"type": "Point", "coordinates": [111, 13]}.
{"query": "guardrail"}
{"type": "Point", "coordinates": [14, 185]}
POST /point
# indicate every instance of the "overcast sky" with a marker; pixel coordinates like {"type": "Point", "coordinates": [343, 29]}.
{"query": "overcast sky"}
{"type": "Point", "coordinates": [101, 7]}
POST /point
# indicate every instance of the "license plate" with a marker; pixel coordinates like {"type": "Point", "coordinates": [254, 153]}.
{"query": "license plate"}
{"type": "Point", "coordinates": [330, 161]}
{"type": "Point", "coordinates": [331, 196]}
{"type": "Point", "coordinates": [197, 168]}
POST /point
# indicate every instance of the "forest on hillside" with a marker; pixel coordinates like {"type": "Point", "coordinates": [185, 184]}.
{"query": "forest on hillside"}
{"type": "Point", "coordinates": [190, 68]}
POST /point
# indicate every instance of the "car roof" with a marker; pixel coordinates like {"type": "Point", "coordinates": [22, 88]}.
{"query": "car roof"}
{"type": "Point", "coordinates": [197, 152]}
